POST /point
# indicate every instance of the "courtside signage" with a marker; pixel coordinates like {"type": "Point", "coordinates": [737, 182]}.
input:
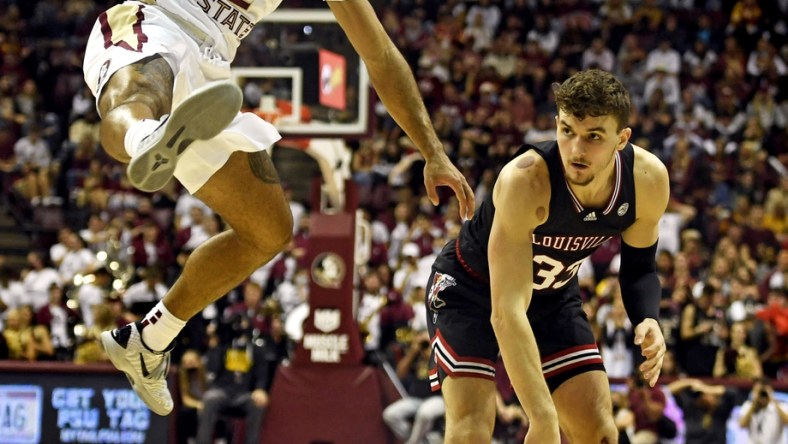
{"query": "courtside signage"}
{"type": "Point", "coordinates": [20, 414]}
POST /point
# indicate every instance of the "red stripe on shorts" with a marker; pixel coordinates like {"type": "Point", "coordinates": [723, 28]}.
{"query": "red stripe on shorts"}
{"type": "Point", "coordinates": [457, 357]}
{"type": "Point", "coordinates": [569, 350]}
{"type": "Point", "coordinates": [106, 31]}
{"type": "Point", "coordinates": [591, 360]}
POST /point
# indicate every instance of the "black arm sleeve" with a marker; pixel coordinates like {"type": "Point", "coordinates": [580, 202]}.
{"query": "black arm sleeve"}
{"type": "Point", "coordinates": [640, 288]}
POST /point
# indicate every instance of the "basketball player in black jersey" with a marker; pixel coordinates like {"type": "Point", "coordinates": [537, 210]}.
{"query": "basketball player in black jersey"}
{"type": "Point", "coordinates": [552, 206]}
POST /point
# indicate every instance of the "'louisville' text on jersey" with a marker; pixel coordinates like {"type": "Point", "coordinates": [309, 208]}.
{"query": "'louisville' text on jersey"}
{"type": "Point", "coordinates": [225, 14]}
{"type": "Point", "coordinates": [569, 243]}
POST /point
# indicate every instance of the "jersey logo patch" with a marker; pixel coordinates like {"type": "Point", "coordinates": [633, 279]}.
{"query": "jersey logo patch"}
{"type": "Point", "coordinates": [439, 283]}
{"type": "Point", "coordinates": [622, 210]}
{"type": "Point", "coordinates": [103, 73]}
{"type": "Point", "coordinates": [590, 217]}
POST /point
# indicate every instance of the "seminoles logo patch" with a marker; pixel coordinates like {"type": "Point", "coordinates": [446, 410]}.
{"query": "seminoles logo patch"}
{"type": "Point", "coordinates": [103, 73]}
{"type": "Point", "coordinates": [439, 283]}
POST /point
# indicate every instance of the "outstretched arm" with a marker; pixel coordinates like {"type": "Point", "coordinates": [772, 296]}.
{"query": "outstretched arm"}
{"type": "Point", "coordinates": [396, 86]}
{"type": "Point", "coordinates": [640, 287]}
{"type": "Point", "coordinates": [510, 255]}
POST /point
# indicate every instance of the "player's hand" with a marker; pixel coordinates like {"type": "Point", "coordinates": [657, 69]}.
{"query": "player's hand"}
{"type": "Point", "coordinates": [649, 337]}
{"type": "Point", "coordinates": [439, 171]}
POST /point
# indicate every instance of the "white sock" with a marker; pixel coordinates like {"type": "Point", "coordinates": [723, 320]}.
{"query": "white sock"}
{"type": "Point", "coordinates": [136, 132]}
{"type": "Point", "coordinates": [160, 327]}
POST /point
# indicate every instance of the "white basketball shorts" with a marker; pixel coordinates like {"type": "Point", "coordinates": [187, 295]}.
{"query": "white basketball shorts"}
{"type": "Point", "coordinates": [132, 31]}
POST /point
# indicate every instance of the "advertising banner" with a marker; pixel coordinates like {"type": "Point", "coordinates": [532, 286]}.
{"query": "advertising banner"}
{"type": "Point", "coordinates": [73, 407]}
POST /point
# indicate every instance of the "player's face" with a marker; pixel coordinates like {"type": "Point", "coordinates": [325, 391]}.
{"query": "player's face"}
{"type": "Point", "coordinates": [587, 146]}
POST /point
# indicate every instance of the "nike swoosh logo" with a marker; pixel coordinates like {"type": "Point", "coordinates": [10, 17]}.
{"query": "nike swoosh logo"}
{"type": "Point", "coordinates": [145, 372]}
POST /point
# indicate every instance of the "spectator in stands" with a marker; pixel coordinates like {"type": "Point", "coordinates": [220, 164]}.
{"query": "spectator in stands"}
{"type": "Point", "coordinates": [777, 276]}
{"type": "Point", "coordinates": [648, 17]}
{"type": "Point", "coordinates": [648, 406]}
{"type": "Point", "coordinates": [706, 409]}
{"type": "Point", "coordinates": [59, 319]}
{"type": "Point", "coordinates": [120, 315]}
{"type": "Point", "coordinates": [37, 279]}
{"type": "Point", "coordinates": [151, 247]}
{"type": "Point", "coordinates": [237, 370]}
{"type": "Point", "coordinates": [250, 308]}
{"type": "Point", "coordinates": [12, 292]}
{"type": "Point", "coordinates": [95, 235]}
{"type": "Point", "coordinates": [142, 296]}
{"type": "Point", "coordinates": [399, 233]}
{"type": "Point", "coordinates": [699, 320]}
{"type": "Point", "coordinates": [598, 56]}
{"type": "Point", "coordinates": [745, 21]}
{"type": "Point", "coordinates": [91, 292]}
{"type": "Point", "coordinates": [408, 270]}
{"type": "Point", "coordinates": [774, 321]}
{"type": "Point", "coordinates": [89, 349]}
{"type": "Point", "coordinates": [700, 56]}
{"type": "Point", "coordinates": [192, 385]}
{"type": "Point", "coordinates": [38, 334]}
{"type": "Point", "coordinates": [617, 20]}
{"type": "Point", "coordinates": [737, 359]}
{"type": "Point", "coordinates": [58, 250]}
{"type": "Point", "coordinates": [77, 260]}
{"type": "Point", "coordinates": [412, 417]}
{"type": "Point", "coordinates": [544, 35]}
{"type": "Point", "coordinates": [373, 299]}
{"type": "Point", "coordinates": [618, 338]}
{"type": "Point", "coordinates": [86, 119]}
{"type": "Point", "coordinates": [18, 339]}
{"type": "Point", "coordinates": [33, 159]}
{"type": "Point", "coordinates": [762, 415]}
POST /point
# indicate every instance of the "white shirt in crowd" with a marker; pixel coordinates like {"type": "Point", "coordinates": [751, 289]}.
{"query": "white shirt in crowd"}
{"type": "Point", "coordinates": [141, 292]}
{"type": "Point", "coordinates": [58, 327]}
{"type": "Point", "coordinates": [670, 225]}
{"type": "Point", "coordinates": [89, 295]}
{"type": "Point", "coordinates": [13, 296]}
{"type": "Point", "coordinates": [57, 252]}
{"type": "Point", "coordinates": [668, 61]}
{"type": "Point", "coordinates": [197, 237]}
{"type": "Point", "coordinates": [369, 314]}
{"type": "Point", "coordinates": [37, 283]}
{"type": "Point", "coordinates": [32, 153]}
{"type": "Point", "coordinates": [765, 425]}
{"type": "Point", "coordinates": [183, 207]}
{"type": "Point", "coordinates": [76, 262]}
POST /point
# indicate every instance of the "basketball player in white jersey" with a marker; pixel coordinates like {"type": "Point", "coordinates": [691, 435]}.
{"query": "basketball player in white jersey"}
{"type": "Point", "coordinates": [159, 70]}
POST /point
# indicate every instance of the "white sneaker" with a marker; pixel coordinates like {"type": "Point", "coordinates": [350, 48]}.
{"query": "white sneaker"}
{"type": "Point", "coordinates": [146, 369]}
{"type": "Point", "coordinates": [202, 116]}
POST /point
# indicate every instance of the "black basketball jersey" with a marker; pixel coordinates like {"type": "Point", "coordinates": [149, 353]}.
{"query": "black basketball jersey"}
{"type": "Point", "coordinates": [570, 233]}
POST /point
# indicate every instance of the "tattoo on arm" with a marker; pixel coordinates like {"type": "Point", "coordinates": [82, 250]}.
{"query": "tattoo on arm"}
{"type": "Point", "coordinates": [263, 168]}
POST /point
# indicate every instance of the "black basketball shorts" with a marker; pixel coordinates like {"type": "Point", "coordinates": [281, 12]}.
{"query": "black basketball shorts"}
{"type": "Point", "coordinates": [463, 340]}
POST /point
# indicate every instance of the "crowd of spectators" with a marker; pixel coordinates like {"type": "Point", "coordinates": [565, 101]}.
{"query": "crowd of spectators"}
{"type": "Point", "coordinates": [708, 84]}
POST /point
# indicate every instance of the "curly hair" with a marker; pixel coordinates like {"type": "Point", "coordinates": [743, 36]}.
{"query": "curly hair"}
{"type": "Point", "coordinates": [594, 93]}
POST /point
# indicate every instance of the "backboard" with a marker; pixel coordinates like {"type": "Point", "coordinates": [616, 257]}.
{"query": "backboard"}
{"type": "Point", "coordinates": [303, 76]}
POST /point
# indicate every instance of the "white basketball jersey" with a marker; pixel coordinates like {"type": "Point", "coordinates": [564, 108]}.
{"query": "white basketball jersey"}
{"type": "Point", "coordinates": [226, 21]}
